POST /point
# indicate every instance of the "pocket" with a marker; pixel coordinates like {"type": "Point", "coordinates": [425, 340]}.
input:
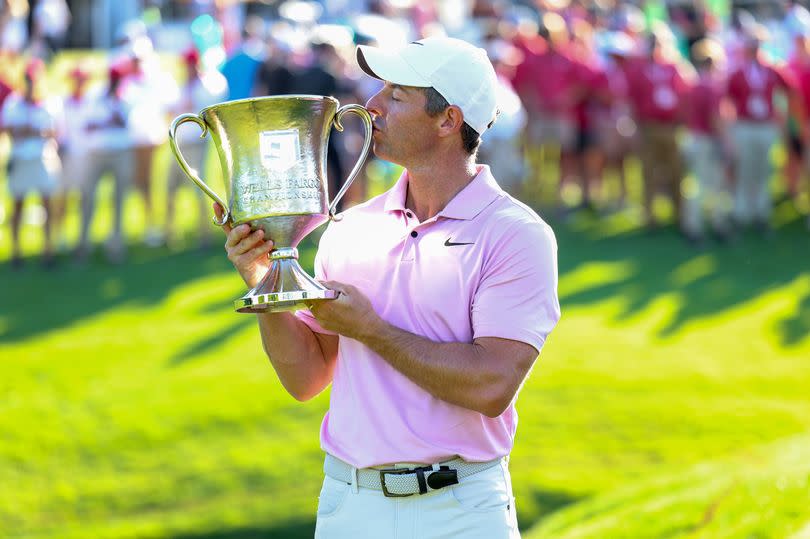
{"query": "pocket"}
{"type": "Point", "coordinates": [484, 492]}
{"type": "Point", "coordinates": [333, 494]}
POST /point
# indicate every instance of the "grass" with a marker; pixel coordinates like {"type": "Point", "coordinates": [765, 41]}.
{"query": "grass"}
{"type": "Point", "coordinates": [671, 401]}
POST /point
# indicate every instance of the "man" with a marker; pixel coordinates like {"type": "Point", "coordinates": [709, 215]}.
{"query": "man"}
{"type": "Point", "coordinates": [108, 146]}
{"type": "Point", "coordinates": [34, 164]}
{"type": "Point", "coordinates": [798, 159]}
{"type": "Point", "coordinates": [203, 87]}
{"type": "Point", "coordinates": [447, 294]}
{"type": "Point", "coordinates": [72, 136]}
{"type": "Point", "coordinates": [751, 89]}
{"type": "Point", "coordinates": [706, 148]}
{"type": "Point", "coordinates": [656, 92]}
{"type": "Point", "coordinates": [546, 82]}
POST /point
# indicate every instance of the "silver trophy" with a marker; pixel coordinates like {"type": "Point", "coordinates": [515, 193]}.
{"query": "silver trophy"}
{"type": "Point", "coordinates": [273, 156]}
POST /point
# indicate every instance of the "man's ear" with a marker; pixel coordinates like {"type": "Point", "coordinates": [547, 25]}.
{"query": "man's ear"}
{"type": "Point", "coordinates": [452, 121]}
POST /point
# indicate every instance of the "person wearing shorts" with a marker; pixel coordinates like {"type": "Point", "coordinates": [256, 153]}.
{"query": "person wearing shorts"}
{"type": "Point", "coordinates": [33, 166]}
{"type": "Point", "coordinates": [448, 291]}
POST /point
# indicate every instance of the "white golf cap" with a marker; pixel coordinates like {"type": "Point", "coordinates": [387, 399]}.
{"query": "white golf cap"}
{"type": "Point", "coordinates": [459, 71]}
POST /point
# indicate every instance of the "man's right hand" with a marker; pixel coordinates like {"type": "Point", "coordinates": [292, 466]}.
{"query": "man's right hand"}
{"type": "Point", "coordinates": [246, 250]}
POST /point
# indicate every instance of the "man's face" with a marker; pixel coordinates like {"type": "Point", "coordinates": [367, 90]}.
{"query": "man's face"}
{"type": "Point", "coordinates": [403, 131]}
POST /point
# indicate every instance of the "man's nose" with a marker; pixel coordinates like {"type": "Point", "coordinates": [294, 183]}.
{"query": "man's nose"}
{"type": "Point", "coordinates": [373, 105]}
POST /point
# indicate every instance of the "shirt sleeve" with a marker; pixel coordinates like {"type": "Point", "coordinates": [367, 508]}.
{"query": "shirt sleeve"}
{"type": "Point", "coordinates": [517, 296]}
{"type": "Point", "coordinates": [321, 274]}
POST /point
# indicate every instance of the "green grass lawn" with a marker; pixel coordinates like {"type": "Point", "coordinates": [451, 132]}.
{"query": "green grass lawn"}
{"type": "Point", "coordinates": [673, 399]}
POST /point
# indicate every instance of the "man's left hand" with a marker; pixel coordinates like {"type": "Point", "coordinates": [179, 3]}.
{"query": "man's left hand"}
{"type": "Point", "coordinates": [350, 314]}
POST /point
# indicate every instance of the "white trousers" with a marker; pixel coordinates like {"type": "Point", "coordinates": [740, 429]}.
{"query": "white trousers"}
{"type": "Point", "coordinates": [752, 197]}
{"type": "Point", "coordinates": [481, 506]}
{"type": "Point", "coordinates": [707, 191]}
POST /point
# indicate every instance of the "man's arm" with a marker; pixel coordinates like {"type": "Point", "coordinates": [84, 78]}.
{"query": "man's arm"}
{"type": "Point", "coordinates": [483, 376]}
{"type": "Point", "coordinates": [304, 360]}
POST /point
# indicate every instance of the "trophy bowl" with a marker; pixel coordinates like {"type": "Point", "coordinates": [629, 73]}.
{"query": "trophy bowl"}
{"type": "Point", "coordinates": [273, 156]}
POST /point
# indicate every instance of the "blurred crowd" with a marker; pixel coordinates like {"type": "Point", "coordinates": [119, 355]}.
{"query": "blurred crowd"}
{"type": "Point", "coordinates": [588, 89]}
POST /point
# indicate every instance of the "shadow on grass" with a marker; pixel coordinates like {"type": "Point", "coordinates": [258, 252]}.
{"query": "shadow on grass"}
{"type": "Point", "coordinates": [37, 301]}
{"type": "Point", "coordinates": [546, 502]}
{"type": "Point", "coordinates": [708, 281]}
{"type": "Point", "coordinates": [288, 530]}
{"type": "Point", "coordinates": [198, 348]}
{"type": "Point", "coordinates": [797, 327]}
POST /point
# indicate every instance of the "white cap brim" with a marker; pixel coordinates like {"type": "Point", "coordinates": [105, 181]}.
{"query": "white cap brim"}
{"type": "Point", "coordinates": [389, 66]}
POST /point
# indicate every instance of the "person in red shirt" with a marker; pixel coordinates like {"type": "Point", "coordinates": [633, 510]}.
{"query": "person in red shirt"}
{"type": "Point", "coordinates": [615, 125]}
{"type": "Point", "coordinates": [751, 88]}
{"type": "Point", "coordinates": [591, 93]}
{"type": "Point", "coordinates": [706, 148]}
{"type": "Point", "coordinates": [798, 157]}
{"type": "Point", "coordinates": [656, 92]}
{"type": "Point", "coordinates": [545, 83]}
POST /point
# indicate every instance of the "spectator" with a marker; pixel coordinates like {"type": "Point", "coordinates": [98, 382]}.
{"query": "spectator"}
{"type": "Point", "coordinates": [656, 90]}
{"type": "Point", "coordinates": [544, 81]}
{"type": "Point", "coordinates": [751, 88]}
{"type": "Point", "coordinates": [615, 125]}
{"type": "Point", "coordinates": [241, 68]}
{"type": "Point", "coordinates": [317, 77]}
{"type": "Point", "coordinates": [798, 155]}
{"type": "Point", "coordinates": [202, 89]}
{"type": "Point", "coordinates": [109, 149]}
{"type": "Point", "coordinates": [34, 161]}
{"type": "Point", "coordinates": [706, 148]}
{"type": "Point", "coordinates": [51, 19]}
{"type": "Point", "coordinates": [149, 92]}
{"type": "Point", "coordinates": [72, 145]}
{"type": "Point", "coordinates": [501, 146]}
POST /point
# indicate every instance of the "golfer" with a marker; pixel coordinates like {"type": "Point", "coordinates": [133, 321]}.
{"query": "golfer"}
{"type": "Point", "coordinates": [447, 294]}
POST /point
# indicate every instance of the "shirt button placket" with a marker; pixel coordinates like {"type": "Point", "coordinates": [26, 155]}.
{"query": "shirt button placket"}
{"type": "Point", "coordinates": [410, 245]}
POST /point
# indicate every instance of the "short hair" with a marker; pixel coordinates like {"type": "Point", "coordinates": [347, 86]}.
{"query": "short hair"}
{"type": "Point", "coordinates": [435, 104]}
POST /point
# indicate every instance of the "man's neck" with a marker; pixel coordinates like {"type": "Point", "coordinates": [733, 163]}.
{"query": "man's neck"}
{"type": "Point", "coordinates": [431, 187]}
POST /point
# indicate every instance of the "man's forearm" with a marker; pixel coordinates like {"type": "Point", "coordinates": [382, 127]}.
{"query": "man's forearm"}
{"type": "Point", "coordinates": [453, 372]}
{"type": "Point", "coordinates": [295, 353]}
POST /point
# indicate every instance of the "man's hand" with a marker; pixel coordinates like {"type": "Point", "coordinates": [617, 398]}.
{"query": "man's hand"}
{"type": "Point", "coordinates": [350, 314]}
{"type": "Point", "coordinates": [246, 250]}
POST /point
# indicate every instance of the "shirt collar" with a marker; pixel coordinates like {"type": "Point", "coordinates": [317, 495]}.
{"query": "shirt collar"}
{"type": "Point", "coordinates": [469, 202]}
{"type": "Point", "coordinates": [395, 199]}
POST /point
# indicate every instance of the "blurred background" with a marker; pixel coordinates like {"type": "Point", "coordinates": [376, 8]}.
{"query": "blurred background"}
{"type": "Point", "coordinates": [664, 141]}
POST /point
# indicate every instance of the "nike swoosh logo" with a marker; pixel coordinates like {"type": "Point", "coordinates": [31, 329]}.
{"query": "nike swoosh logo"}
{"type": "Point", "coordinates": [448, 243]}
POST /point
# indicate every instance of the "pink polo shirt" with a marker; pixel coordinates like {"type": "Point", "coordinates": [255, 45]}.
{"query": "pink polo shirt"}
{"type": "Point", "coordinates": [485, 266]}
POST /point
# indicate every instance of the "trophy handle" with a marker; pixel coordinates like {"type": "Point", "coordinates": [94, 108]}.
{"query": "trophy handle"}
{"type": "Point", "coordinates": [366, 118]}
{"type": "Point", "coordinates": [190, 172]}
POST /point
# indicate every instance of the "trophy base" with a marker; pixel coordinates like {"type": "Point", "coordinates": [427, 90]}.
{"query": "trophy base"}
{"type": "Point", "coordinates": [285, 287]}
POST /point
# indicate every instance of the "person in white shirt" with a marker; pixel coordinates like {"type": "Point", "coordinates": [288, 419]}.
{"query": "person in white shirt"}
{"type": "Point", "coordinates": [33, 165]}
{"type": "Point", "coordinates": [149, 92]}
{"type": "Point", "coordinates": [72, 138]}
{"type": "Point", "coordinates": [202, 88]}
{"type": "Point", "coordinates": [108, 147]}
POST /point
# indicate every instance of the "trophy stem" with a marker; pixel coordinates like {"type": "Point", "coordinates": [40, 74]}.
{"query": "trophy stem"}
{"type": "Point", "coordinates": [285, 287]}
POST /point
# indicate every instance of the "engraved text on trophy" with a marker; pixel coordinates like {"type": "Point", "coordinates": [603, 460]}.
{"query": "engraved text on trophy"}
{"type": "Point", "coordinates": [280, 151]}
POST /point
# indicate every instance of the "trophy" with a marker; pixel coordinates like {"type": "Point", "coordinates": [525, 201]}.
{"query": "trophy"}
{"type": "Point", "coordinates": [273, 156]}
